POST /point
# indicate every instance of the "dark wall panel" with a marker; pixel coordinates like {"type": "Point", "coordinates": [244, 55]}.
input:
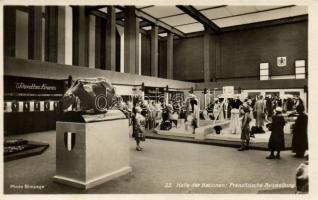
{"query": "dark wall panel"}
{"type": "Point", "coordinates": [188, 59]}
{"type": "Point", "coordinates": [241, 52]}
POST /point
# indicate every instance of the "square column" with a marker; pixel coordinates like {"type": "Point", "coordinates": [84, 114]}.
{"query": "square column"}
{"type": "Point", "coordinates": [217, 57]}
{"type": "Point", "coordinates": [80, 36]}
{"type": "Point", "coordinates": [35, 32]}
{"type": "Point", "coordinates": [51, 33]}
{"type": "Point", "coordinates": [111, 39]}
{"type": "Point", "coordinates": [131, 36]}
{"type": "Point", "coordinates": [138, 46]}
{"type": "Point", "coordinates": [206, 55]}
{"type": "Point", "coordinates": [154, 51]}
{"type": "Point", "coordinates": [170, 56]}
{"type": "Point", "coordinates": [9, 22]}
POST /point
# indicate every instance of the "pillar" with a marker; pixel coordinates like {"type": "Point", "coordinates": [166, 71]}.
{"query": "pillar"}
{"type": "Point", "coordinates": [137, 51]}
{"type": "Point", "coordinates": [206, 55]}
{"type": "Point", "coordinates": [61, 35]}
{"type": "Point", "coordinates": [170, 56]}
{"type": "Point", "coordinates": [80, 36]}
{"type": "Point", "coordinates": [217, 57]}
{"type": "Point", "coordinates": [9, 30]}
{"type": "Point", "coordinates": [51, 33]}
{"type": "Point", "coordinates": [130, 37]}
{"type": "Point", "coordinates": [68, 35]}
{"type": "Point", "coordinates": [111, 39]}
{"type": "Point", "coordinates": [100, 43]}
{"type": "Point", "coordinates": [154, 51]}
{"type": "Point", "coordinates": [35, 32]}
{"type": "Point", "coordinates": [92, 35]}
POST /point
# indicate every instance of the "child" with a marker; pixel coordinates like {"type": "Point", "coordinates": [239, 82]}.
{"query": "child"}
{"type": "Point", "coordinates": [138, 127]}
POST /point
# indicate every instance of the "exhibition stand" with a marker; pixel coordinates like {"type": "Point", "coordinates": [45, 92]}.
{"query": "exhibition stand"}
{"type": "Point", "coordinates": [91, 153]}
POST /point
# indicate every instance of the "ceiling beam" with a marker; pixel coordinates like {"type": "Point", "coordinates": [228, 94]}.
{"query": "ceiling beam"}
{"type": "Point", "coordinates": [91, 8]}
{"type": "Point", "coordinates": [195, 14]}
{"type": "Point", "coordinates": [274, 22]}
{"type": "Point", "coordinates": [120, 15]}
{"type": "Point", "coordinates": [120, 7]}
{"type": "Point", "coordinates": [263, 24]}
{"type": "Point", "coordinates": [159, 23]}
{"type": "Point", "coordinates": [103, 15]}
{"type": "Point", "coordinates": [144, 24]}
{"type": "Point", "coordinates": [145, 7]}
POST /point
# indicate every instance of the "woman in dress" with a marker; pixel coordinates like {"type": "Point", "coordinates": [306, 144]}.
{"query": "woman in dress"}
{"type": "Point", "coordinates": [276, 139]}
{"type": "Point", "coordinates": [245, 132]}
{"type": "Point", "coordinates": [138, 127]}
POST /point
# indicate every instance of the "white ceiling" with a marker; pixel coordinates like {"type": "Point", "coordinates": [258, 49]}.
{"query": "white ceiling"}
{"type": "Point", "coordinates": [162, 11]}
{"type": "Point", "coordinates": [222, 16]}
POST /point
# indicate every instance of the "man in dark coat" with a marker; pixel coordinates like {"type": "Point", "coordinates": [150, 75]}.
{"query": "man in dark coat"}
{"type": "Point", "coordinates": [276, 139]}
{"type": "Point", "coordinates": [300, 140]}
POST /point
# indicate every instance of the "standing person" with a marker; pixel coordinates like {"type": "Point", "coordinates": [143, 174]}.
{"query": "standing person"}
{"type": "Point", "coordinates": [276, 139]}
{"type": "Point", "coordinates": [269, 108]}
{"type": "Point", "coordinates": [138, 127]}
{"type": "Point", "coordinates": [245, 131]}
{"type": "Point", "coordinates": [300, 140]}
{"type": "Point", "coordinates": [259, 109]}
{"type": "Point", "coordinates": [235, 113]}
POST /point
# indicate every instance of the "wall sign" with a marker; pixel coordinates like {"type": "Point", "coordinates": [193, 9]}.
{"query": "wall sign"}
{"type": "Point", "coordinates": [228, 91]}
{"type": "Point", "coordinates": [281, 61]}
{"type": "Point", "coordinates": [154, 93]}
{"type": "Point", "coordinates": [26, 88]}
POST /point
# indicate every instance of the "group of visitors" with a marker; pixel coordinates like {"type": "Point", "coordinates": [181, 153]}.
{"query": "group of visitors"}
{"type": "Point", "coordinates": [276, 123]}
{"type": "Point", "coordinates": [163, 116]}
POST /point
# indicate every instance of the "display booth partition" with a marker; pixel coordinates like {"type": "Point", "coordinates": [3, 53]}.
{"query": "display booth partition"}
{"type": "Point", "coordinates": [31, 104]}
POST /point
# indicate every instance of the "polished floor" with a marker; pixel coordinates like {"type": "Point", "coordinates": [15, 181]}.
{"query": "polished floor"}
{"type": "Point", "coordinates": [164, 167]}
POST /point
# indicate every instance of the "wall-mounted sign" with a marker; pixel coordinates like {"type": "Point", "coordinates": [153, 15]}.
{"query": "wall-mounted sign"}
{"type": "Point", "coordinates": [154, 93]}
{"type": "Point", "coordinates": [26, 88]}
{"type": "Point", "coordinates": [228, 91]}
{"type": "Point", "coordinates": [281, 61]}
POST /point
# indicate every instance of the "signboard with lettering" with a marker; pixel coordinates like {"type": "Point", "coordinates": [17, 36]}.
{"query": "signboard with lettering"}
{"type": "Point", "coordinates": [25, 88]}
{"type": "Point", "coordinates": [154, 93]}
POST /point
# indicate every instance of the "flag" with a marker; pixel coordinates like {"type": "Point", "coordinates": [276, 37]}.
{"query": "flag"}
{"type": "Point", "coordinates": [26, 106]}
{"type": "Point", "coordinates": [51, 105]}
{"type": "Point", "coordinates": [9, 106]}
{"type": "Point", "coordinates": [41, 105]}
{"type": "Point", "coordinates": [15, 106]}
{"type": "Point", "coordinates": [31, 106]}
{"type": "Point", "coordinates": [46, 105]}
{"type": "Point", "coordinates": [36, 106]}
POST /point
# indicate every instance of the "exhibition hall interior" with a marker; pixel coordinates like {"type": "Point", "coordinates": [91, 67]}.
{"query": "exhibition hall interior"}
{"type": "Point", "coordinates": [155, 99]}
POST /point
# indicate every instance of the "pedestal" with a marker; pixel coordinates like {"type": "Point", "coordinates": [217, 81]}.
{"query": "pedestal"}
{"type": "Point", "coordinates": [89, 154]}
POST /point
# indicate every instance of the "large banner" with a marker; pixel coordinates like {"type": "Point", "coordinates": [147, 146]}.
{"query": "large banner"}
{"type": "Point", "coordinates": [25, 88]}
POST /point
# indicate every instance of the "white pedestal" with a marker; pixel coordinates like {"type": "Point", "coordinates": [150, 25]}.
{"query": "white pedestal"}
{"type": "Point", "coordinates": [100, 152]}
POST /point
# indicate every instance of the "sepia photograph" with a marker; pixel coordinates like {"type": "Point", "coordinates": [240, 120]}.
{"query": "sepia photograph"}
{"type": "Point", "coordinates": [156, 98]}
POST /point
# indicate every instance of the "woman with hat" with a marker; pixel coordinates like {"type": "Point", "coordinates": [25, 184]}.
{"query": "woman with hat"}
{"type": "Point", "coordinates": [138, 127]}
{"type": "Point", "coordinates": [245, 128]}
{"type": "Point", "coordinates": [276, 139]}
